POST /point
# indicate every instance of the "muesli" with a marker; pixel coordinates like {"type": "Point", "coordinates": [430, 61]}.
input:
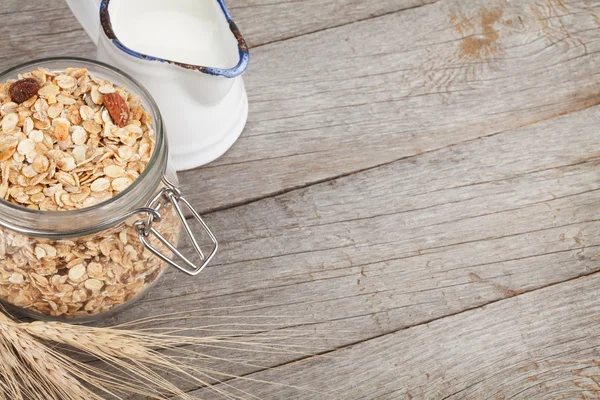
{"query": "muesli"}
{"type": "Point", "coordinates": [68, 141]}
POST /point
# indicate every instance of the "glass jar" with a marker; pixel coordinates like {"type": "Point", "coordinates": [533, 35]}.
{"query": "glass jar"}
{"type": "Point", "coordinates": [90, 263]}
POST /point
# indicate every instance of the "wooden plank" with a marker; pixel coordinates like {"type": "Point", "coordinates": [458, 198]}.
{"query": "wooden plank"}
{"type": "Point", "coordinates": [544, 344]}
{"type": "Point", "coordinates": [33, 30]}
{"type": "Point", "coordinates": [362, 95]}
{"type": "Point", "coordinates": [265, 21]}
{"type": "Point", "coordinates": [409, 242]}
{"type": "Point", "coordinates": [435, 216]}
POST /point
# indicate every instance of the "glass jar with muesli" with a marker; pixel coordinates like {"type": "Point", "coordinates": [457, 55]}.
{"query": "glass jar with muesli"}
{"type": "Point", "coordinates": [90, 211]}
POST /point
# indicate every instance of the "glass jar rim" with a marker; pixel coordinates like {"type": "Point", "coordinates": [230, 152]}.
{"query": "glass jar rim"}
{"type": "Point", "coordinates": [155, 168]}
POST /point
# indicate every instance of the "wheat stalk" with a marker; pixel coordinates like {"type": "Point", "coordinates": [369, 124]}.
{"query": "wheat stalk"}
{"type": "Point", "coordinates": [30, 369]}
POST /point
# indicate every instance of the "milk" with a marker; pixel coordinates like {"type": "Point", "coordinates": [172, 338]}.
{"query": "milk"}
{"type": "Point", "coordinates": [185, 31]}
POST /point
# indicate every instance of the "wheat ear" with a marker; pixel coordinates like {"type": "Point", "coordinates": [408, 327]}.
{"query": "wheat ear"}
{"type": "Point", "coordinates": [32, 370]}
{"type": "Point", "coordinates": [136, 355]}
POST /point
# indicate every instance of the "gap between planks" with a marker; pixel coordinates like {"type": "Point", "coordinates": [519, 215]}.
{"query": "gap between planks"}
{"type": "Point", "coordinates": [396, 331]}
{"type": "Point", "coordinates": [344, 24]}
{"type": "Point", "coordinates": [256, 199]}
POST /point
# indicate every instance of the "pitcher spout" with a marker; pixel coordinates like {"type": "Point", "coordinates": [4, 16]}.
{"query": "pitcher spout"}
{"type": "Point", "coordinates": [201, 36]}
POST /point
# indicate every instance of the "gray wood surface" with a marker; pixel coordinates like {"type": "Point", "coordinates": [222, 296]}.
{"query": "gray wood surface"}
{"type": "Point", "coordinates": [416, 194]}
{"type": "Point", "coordinates": [265, 21]}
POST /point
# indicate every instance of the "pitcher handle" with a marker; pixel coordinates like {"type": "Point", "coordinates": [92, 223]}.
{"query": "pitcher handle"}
{"type": "Point", "coordinates": [87, 13]}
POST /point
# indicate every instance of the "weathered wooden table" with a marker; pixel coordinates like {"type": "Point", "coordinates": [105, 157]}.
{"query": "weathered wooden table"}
{"type": "Point", "coordinates": [417, 186]}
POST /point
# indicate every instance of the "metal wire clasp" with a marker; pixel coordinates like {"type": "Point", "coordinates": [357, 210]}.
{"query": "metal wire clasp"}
{"type": "Point", "coordinates": [172, 195]}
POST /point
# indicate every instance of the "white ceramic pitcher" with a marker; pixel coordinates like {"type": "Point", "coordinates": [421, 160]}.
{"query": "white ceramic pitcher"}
{"type": "Point", "coordinates": [189, 54]}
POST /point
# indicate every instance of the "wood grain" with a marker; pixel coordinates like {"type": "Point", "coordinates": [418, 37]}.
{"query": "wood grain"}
{"type": "Point", "coordinates": [266, 21]}
{"type": "Point", "coordinates": [31, 30]}
{"type": "Point", "coordinates": [541, 345]}
{"type": "Point", "coordinates": [376, 91]}
{"type": "Point", "coordinates": [408, 243]}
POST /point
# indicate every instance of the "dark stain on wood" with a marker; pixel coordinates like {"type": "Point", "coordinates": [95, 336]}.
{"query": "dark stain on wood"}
{"type": "Point", "coordinates": [475, 277]}
{"type": "Point", "coordinates": [548, 16]}
{"type": "Point", "coordinates": [529, 367]}
{"type": "Point", "coordinates": [579, 239]}
{"type": "Point", "coordinates": [479, 37]}
{"type": "Point", "coordinates": [501, 288]}
{"type": "Point", "coordinates": [582, 101]}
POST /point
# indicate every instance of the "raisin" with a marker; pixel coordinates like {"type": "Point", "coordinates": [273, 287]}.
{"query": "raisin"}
{"type": "Point", "coordinates": [23, 90]}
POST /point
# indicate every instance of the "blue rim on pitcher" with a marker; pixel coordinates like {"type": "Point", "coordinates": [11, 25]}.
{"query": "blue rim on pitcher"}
{"type": "Point", "coordinates": [225, 72]}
